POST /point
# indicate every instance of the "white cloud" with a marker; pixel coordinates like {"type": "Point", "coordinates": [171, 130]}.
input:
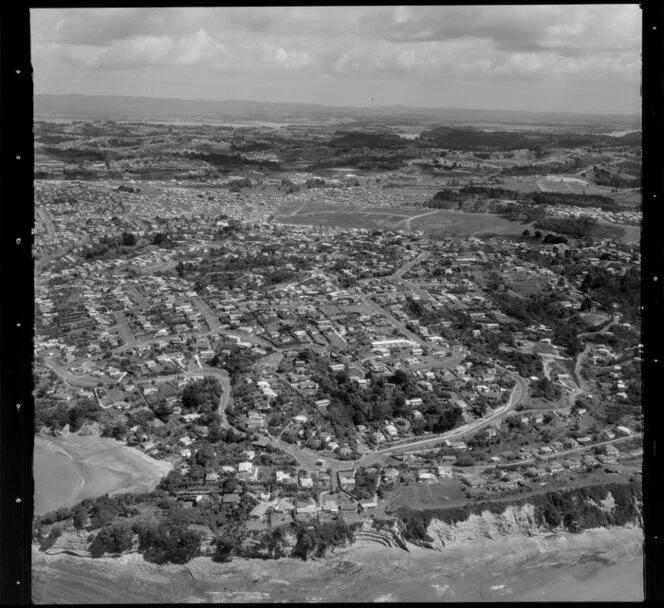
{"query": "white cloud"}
{"type": "Point", "coordinates": [199, 49]}
{"type": "Point", "coordinates": [290, 60]}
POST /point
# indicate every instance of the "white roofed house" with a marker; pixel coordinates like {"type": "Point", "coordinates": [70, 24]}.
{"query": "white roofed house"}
{"type": "Point", "coordinates": [304, 507]}
{"type": "Point", "coordinates": [391, 431]}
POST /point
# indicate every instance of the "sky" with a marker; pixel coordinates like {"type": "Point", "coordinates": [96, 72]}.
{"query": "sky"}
{"type": "Point", "coordinates": [573, 58]}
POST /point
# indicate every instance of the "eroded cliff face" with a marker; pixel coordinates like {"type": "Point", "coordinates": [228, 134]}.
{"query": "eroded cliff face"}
{"type": "Point", "coordinates": [74, 542]}
{"type": "Point", "coordinates": [513, 521]}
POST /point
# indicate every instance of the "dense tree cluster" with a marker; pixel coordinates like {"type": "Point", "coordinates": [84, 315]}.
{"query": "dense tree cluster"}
{"type": "Point", "coordinates": [168, 543]}
{"type": "Point", "coordinates": [202, 396]}
{"type": "Point", "coordinates": [611, 289]}
{"type": "Point", "coordinates": [351, 405]}
{"type": "Point", "coordinates": [366, 482]}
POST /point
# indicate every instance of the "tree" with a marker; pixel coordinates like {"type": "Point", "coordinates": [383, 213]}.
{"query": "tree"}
{"type": "Point", "coordinates": [112, 539]}
{"type": "Point", "coordinates": [128, 239]}
{"type": "Point", "coordinates": [223, 549]}
{"type": "Point", "coordinates": [80, 517]}
{"type": "Point", "coordinates": [169, 543]}
{"type": "Point", "coordinates": [538, 234]}
{"type": "Point", "coordinates": [526, 232]}
{"type": "Point", "coordinates": [465, 460]}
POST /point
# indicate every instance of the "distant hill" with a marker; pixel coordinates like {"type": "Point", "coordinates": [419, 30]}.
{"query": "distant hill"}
{"type": "Point", "coordinates": [108, 107]}
{"type": "Point", "coordinates": [468, 139]}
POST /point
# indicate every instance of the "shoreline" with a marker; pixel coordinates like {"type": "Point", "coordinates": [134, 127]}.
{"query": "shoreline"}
{"type": "Point", "coordinates": [102, 465]}
{"type": "Point", "coordinates": [602, 564]}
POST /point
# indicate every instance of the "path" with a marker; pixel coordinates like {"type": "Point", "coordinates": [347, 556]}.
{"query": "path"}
{"type": "Point", "coordinates": [407, 222]}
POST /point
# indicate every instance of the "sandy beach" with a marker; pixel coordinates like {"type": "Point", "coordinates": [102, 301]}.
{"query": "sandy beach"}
{"type": "Point", "coordinates": [595, 565]}
{"type": "Point", "coordinates": [74, 467]}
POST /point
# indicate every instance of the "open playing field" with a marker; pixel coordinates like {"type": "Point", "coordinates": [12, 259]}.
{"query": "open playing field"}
{"type": "Point", "coordinates": [426, 495]}
{"type": "Point", "coordinates": [541, 184]}
{"type": "Point", "coordinates": [441, 222]}
{"type": "Point", "coordinates": [445, 222]}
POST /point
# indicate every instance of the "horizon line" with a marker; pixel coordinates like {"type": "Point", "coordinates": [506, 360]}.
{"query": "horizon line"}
{"type": "Point", "coordinates": [342, 107]}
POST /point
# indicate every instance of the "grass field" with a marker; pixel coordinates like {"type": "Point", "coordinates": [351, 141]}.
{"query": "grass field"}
{"type": "Point", "coordinates": [458, 223]}
{"type": "Point", "coordinates": [524, 283]}
{"type": "Point", "coordinates": [533, 184]}
{"type": "Point", "coordinates": [426, 495]}
{"type": "Point", "coordinates": [344, 219]}
{"type": "Point", "coordinates": [442, 222]}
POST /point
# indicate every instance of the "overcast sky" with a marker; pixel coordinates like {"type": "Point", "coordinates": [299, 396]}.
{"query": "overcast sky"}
{"type": "Point", "coordinates": [548, 58]}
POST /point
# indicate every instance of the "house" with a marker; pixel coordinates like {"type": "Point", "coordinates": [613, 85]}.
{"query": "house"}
{"type": "Point", "coordinates": [322, 404]}
{"type": "Point", "coordinates": [305, 507]}
{"type": "Point", "coordinates": [424, 475]}
{"type": "Point", "coordinates": [259, 510]}
{"type": "Point", "coordinates": [306, 482]}
{"type": "Point", "coordinates": [212, 477]}
{"type": "Point", "coordinates": [232, 499]}
{"type": "Point", "coordinates": [369, 504]}
{"type": "Point", "coordinates": [330, 505]}
{"type": "Point", "coordinates": [283, 505]}
{"type": "Point", "coordinates": [623, 431]}
{"type": "Point", "coordinates": [346, 479]}
{"type": "Point", "coordinates": [390, 474]}
{"type": "Point", "coordinates": [347, 506]}
{"type": "Point", "coordinates": [391, 431]}
{"type": "Point", "coordinates": [245, 467]}
{"type": "Point", "coordinates": [445, 472]}
{"type": "Point", "coordinates": [378, 437]}
{"type": "Point", "coordinates": [611, 450]}
{"type": "Point", "coordinates": [285, 478]}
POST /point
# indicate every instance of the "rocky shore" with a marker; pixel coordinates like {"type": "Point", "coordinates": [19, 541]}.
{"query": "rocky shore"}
{"type": "Point", "coordinates": [599, 564]}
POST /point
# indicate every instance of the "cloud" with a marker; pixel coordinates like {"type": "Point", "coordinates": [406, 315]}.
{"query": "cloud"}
{"type": "Point", "coordinates": [516, 28]}
{"type": "Point", "coordinates": [352, 46]}
{"type": "Point", "coordinates": [199, 48]}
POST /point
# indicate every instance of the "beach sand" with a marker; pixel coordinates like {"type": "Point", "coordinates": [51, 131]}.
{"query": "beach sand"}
{"type": "Point", "coordinates": [591, 566]}
{"type": "Point", "coordinates": [71, 468]}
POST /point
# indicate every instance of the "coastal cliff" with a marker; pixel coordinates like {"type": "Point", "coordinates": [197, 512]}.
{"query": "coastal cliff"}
{"type": "Point", "coordinates": [571, 511]}
{"type": "Point", "coordinates": [575, 510]}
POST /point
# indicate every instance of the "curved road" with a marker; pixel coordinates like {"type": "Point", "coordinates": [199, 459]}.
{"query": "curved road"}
{"type": "Point", "coordinates": [308, 458]}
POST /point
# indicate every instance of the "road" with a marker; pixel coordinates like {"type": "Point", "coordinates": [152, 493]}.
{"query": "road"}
{"type": "Point", "coordinates": [308, 458]}
{"type": "Point", "coordinates": [210, 318]}
{"type": "Point", "coordinates": [603, 330]}
{"type": "Point", "coordinates": [47, 259]}
{"type": "Point", "coordinates": [48, 222]}
{"type": "Point", "coordinates": [398, 325]}
{"type": "Point", "coordinates": [565, 453]}
{"type": "Point", "coordinates": [518, 395]}
{"type": "Point", "coordinates": [408, 265]}
{"type": "Point", "coordinates": [581, 357]}
{"type": "Point", "coordinates": [125, 331]}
